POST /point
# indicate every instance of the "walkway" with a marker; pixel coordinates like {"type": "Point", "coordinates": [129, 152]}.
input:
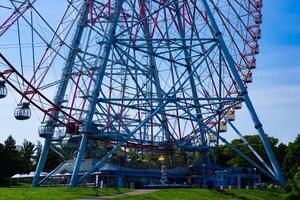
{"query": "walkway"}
{"type": "Point", "coordinates": [128, 194]}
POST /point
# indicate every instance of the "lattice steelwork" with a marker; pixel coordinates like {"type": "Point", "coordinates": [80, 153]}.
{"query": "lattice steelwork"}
{"type": "Point", "coordinates": [168, 74]}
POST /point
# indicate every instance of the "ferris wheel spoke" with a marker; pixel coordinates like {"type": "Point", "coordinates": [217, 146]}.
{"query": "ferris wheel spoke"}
{"type": "Point", "coordinates": [232, 38]}
{"type": "Point", "coordinates": [8, 23]}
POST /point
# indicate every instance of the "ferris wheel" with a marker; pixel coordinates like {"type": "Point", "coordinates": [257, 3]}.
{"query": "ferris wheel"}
{"type": "Point", "coordinates": [140, 74]}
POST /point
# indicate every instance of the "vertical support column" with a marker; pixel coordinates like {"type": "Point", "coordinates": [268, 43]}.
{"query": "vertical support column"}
{"type": "Point", "coordinates": [192, 81]}
{"type": "Point", "coordinates": [41, 163]}
{"type": "Point", "coordinates": [78, 161]}
{"type": "Point", "coordinates": [244, 92]}
{"type": "Point", "coordinates": [101, 60]}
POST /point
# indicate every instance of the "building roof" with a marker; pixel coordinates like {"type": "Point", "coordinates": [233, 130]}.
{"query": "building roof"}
{"type": "Point", "coordinates": [68, 166]}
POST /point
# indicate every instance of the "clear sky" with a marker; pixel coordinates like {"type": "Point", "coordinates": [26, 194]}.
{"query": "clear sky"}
{"type": "Point", "coordinates": [275, 91]}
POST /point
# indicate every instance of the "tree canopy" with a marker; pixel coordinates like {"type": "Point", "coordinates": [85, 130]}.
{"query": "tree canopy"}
{"type": "Point", "coordinates": [20, 159]}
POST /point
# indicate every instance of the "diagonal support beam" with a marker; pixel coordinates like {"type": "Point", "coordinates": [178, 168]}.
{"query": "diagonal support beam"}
{"type": "Point", "coordinates": [257, 124]}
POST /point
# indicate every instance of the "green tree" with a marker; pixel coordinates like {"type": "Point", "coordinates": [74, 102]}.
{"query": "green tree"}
{"type": "Point", "coordinates": [2, 169]}
{"type": "Point", "coordinates": [53, 160]}
{"type": "Point", "coordinates": [293, 188]}
{"type": "Point", "coordinates": [228, 157]}
{"type": "Point", "coordinates": [27, 155]}
{"type": "Point", "coordinates": [291, 163]}
{"type": "Point", "coordinates": [11, 163]}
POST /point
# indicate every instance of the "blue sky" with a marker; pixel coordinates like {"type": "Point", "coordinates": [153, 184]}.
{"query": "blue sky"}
{"type": "Point", "coordinates": [275, 91]}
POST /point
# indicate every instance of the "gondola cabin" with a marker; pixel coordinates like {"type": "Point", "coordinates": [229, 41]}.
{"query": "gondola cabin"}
{"type": "Point", "coordinates": [258, 4]}
{"type": "Point", "coordinates": [257, 34]}
{"type": "Point", "coordinates": [238, 106]}
{"type": "Point", "coordinates": [248, 78]}
{"type": "Point", "coordinates": [3, 90]}
{"type": "Point", "coordinates": [255, 49]}
{"type": "Point", "coordinates": [22, 112]}
{"type": "Point", "coordinates": [258, 19]}
{"type": "Point", "coordinates": [230, 115]}
{"type": "Point", "coordinates": [212, 137]}
{"type": "Point", "coordinates": [223, 127]}
{"type": "Point", "coordinates": [251, 64]}
{"type": "Point", "coordinates": [46, 130]}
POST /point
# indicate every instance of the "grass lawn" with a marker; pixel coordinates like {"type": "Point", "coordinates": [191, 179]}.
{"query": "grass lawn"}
{"type": "Point", "coordinates": [59, 193]}
{"type": "Point", "coordinates": [64, 193]}
{"type": "Point", "coordinates": [205, 194]}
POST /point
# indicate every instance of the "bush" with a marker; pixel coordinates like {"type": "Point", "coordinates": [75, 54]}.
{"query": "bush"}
{"type": "Point", "coordinates": [294, 195]}
{"type": "Point", "coordinates": [293, 188]}
{"type": "Point", "coordinates": [297, 180]}
{"type": "Point", "coordinates": [288, 188]}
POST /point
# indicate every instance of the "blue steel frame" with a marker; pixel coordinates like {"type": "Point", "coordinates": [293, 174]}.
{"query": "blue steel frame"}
{"type": "Point", "coordinates": [129, 134]}
{"type": "Point", "coordinates": [163, 97]}
{"type": "Point", "coordinates": [168, 99]}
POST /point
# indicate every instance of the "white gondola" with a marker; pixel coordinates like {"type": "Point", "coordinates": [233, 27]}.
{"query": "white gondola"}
{"type": "Point", "coordinates": [3, 90]}
{"type": "Point", "coordinates": [223, 127]}
{"type": "Point", "coordinates": [46, 130]}
{"type": "Point", "coordinates": [230, 115]}
{"type": "Point", "coordinates": [212, 138]}
{"type": "Point", "coordinates": [22, 112]}
{"type": "Point", "coordinates": [238, 106]}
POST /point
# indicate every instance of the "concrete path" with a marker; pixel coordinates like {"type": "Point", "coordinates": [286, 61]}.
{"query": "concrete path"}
{"type": "Point", "coordinates": [128, 194]}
